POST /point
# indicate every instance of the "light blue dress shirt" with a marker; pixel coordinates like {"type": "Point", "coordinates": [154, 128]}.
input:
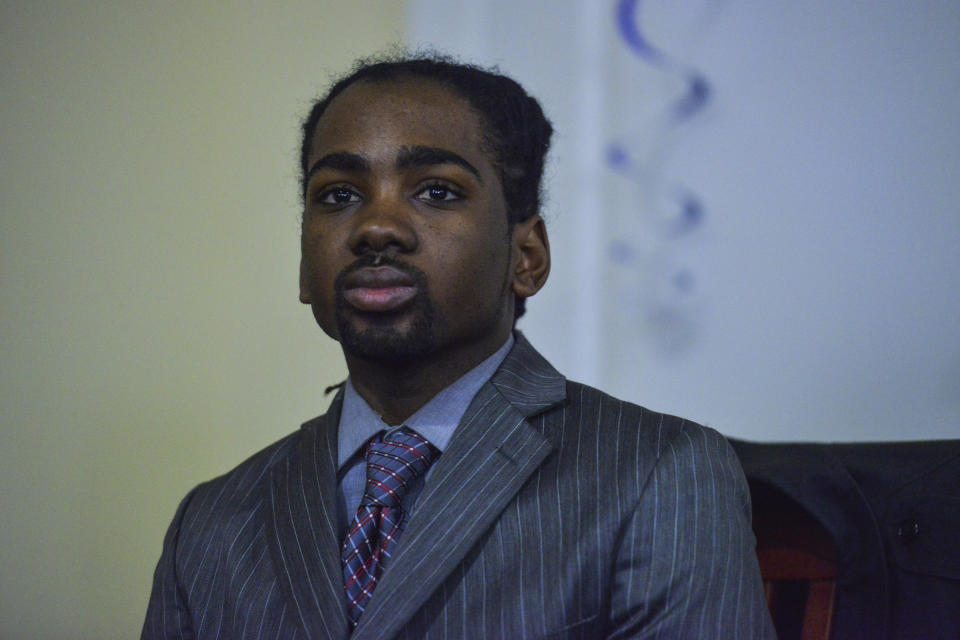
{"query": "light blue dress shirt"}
{"type": "Point", "coordinates": [436, 421]}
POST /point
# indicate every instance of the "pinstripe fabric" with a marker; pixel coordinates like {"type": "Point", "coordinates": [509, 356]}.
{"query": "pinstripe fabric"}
{"type": "Point", "coordinates": [654, 538]}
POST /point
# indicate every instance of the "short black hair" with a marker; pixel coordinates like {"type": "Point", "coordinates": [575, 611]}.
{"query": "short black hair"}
{"type": "Point", "coordinates": [515, 129]}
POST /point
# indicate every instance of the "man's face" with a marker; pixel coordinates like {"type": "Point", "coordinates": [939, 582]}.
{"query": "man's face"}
{"type": "Point", "coordinates": [406, 249]}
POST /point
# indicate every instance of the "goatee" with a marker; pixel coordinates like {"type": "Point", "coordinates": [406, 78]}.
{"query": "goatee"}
{"type": "Point", "coordinates": [381, 339]}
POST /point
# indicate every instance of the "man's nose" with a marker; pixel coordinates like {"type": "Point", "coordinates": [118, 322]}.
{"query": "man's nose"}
{"type": "Point", "coordinates": [384, 223]}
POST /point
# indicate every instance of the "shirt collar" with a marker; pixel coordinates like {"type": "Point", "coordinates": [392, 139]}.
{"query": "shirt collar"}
{"type": "Point", "coordinates": [436, 421]}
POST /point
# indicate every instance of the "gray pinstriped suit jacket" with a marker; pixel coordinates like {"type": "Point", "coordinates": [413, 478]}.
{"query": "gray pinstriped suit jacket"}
{"type": "Point", "coordinates": [555, 511]}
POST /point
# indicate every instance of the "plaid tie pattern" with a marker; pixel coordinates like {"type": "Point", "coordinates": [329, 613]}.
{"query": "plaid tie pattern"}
{"type": "Point", "coordinates": [393, 463]}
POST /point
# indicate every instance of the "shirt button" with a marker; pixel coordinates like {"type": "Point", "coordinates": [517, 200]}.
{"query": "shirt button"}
{"type": "Point", "coordinates": [907, 531]}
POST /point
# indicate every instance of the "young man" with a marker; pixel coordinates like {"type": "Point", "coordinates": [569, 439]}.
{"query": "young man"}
{"type": "Point", "coordinates": [458, 486]}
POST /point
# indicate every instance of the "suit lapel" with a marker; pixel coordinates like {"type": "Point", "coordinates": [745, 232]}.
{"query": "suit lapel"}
{"type": "Point", "coordinates": [301, 530]}
{"type": "Point", "coordinates": [492, 453]}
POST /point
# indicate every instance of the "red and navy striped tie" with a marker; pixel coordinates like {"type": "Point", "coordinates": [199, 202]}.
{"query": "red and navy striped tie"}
{"type": "Point", "coordinates": [392, 466]}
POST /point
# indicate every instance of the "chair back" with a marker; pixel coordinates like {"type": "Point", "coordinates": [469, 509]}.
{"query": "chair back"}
{"type": "Point", "coordinates": [798, 563]}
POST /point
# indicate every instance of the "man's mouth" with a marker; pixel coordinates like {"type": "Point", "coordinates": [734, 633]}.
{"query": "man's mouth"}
{"type": "Point", "coordinates": [378, 289]}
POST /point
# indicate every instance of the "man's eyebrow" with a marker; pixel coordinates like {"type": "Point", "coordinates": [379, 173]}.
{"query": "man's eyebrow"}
{"type": "Point", "coordinates": [430, 156]}
{"type": "Point", "coordinates": [340, 160]}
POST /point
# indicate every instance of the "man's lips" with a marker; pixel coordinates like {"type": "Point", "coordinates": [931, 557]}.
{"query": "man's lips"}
{"type": "Point", "coordinates": [378, 289]}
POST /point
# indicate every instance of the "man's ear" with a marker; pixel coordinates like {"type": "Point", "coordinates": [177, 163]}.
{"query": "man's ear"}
{"type": "Point", "coordinates": [531, 255]}
{"type": "Point", "coordinates": [304, 289]}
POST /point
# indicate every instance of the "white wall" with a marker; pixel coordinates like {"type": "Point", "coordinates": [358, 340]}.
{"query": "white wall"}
{"type": "Point", "coordinates": [150, 332]}
{"type": "Point", "coordinates": [816, 296]}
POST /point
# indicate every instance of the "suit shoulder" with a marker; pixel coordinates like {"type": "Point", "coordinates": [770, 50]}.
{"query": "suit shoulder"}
{"type": "Point", "coordinates": [242, 488]}
{"type": "Point", "coordinates": [595, 410]}
{"type": "Point", "coordinates": [629, 445]}
{"type": "Point", "coordinates": [236, 488]}
{"type": "Point", "coordinates": [629, 442]}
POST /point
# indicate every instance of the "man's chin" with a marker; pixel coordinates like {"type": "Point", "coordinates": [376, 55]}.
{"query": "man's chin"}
{"type": "Point", "coordinates": [387, 343]}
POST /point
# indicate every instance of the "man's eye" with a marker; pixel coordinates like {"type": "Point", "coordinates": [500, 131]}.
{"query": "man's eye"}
{"type": "Point", "coordinates": [438, 193]}
{"type": "Point", "coordinates": [339, 195]}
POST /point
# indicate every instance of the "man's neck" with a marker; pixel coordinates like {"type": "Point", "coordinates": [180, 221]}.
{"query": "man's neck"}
{"type": "Point", "coordinates": [396, 390]}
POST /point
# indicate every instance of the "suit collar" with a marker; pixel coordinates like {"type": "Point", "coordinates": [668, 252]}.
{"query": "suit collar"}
{"type": "Point", "coordinates": [302, 528]}
{"type": "Point", "coordinates": [527, 380]}
{"type": "Point", "coordinates": [489, 458]}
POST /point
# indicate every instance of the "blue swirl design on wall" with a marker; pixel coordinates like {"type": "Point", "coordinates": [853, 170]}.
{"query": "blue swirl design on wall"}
{"type": "Point", "coordinates": [668, 310]}
{"type": "Point", "coordinates": [698, 89]}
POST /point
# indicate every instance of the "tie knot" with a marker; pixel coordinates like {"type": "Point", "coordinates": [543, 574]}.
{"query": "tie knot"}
{"type": "Point", "coordinates": [393, 463]}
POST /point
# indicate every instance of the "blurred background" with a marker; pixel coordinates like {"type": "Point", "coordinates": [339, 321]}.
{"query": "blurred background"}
{"type": "Point", "coordinates": [753, 207]}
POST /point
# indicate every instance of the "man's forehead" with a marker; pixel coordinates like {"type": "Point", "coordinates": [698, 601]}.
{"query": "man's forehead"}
{"type": "Point", "coordinates": [413, 104]}
{"type": "Point", "coordinates": [407, 117]}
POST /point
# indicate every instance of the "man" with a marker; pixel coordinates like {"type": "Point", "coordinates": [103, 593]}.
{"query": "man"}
{"type": "Point", "coordinates": [458, 486]}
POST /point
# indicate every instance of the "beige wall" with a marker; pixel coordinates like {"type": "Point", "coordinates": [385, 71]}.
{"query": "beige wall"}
{"type": "Point", "coordinates": [149, 328]}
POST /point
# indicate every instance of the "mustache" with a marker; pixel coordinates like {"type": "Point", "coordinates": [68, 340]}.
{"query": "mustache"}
{"type": "Point", "coordinates": [376, 259]}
